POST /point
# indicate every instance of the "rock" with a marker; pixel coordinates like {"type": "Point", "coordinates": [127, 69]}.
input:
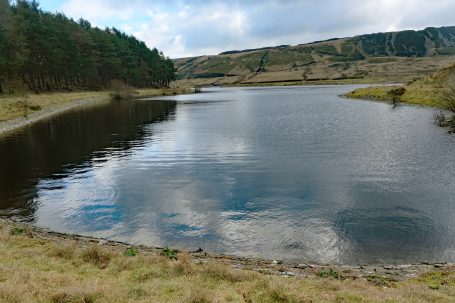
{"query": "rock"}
{"type": "Point", "coordinates": [102, 242]}
{"type": "Point", "coordinates": [198, 251]}
{"type": "Point", "coordinates": [302, 266]}
{"type": "Point", "coordinates": [403, 266]}
{"type": "Point", "coordinates": [311, 265]}
{"type": "Point", "coordinates": [274, 262]}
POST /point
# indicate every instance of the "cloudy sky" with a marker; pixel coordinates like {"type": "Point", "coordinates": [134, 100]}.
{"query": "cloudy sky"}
{"type": "Point", "coordinates": [182, 28]}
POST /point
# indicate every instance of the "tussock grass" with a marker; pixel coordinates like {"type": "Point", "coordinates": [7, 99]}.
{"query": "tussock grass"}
{"type": "Point", "coordinates": [64, 270]}
{"type": "Point", "coordinates": [97, 256]}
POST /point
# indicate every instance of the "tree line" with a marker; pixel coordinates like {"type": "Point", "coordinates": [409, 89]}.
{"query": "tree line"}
{"type": "Point", "coordinates": [42, 51]}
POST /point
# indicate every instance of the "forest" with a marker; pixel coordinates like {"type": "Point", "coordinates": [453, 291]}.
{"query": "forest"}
{"type": "Point", "coordinates": [42, 51]}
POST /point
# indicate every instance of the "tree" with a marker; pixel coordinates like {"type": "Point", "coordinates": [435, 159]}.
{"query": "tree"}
{"type": "Point", "coordinates": [47, 51]}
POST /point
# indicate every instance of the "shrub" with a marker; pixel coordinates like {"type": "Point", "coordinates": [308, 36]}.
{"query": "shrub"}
{"type": "Point", "coordinates": [35, 107]}
{"type": "Point", "coordinates": [17, 231]}
{"type": "Point", "coordinates": [120, 90]}
{"type": "Point", "coordinates": [396, 93]}
{"type": "Point", "coordinates": [170, 253]}
{"type": "Point", "coordinates": [442, 119]}
{"type": "Point", "coordinates": [328, 273]}
{"type": "Point", "coordinates": [448, 97]}
{"type": "Point", "coordinates": [130, 252]}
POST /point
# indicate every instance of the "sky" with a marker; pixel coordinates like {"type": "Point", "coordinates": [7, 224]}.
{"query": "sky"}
{"type": "Point", "coordinates": [184, 28]}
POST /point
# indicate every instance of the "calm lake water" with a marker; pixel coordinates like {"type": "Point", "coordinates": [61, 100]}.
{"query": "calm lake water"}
{"type": "Point", "coordinates": [296, 174]}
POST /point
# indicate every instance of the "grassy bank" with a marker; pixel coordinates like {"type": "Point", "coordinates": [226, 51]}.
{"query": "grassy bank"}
{"type": "Point", "coordinates": [12, 106]}
{"type": "Point", "coordinates": [425, 91]}
{"type": "Point", "coordinates": [36, 266]}
{"type": "Point", "coordinates": [414, 94]}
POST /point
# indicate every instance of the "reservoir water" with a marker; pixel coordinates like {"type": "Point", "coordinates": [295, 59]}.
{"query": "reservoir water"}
{"type": "Point", "coordinates": [290, 173]}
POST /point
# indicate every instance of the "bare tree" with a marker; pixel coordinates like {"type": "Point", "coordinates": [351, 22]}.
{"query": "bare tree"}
{"type": "Point", "coordinates": [447, 119]}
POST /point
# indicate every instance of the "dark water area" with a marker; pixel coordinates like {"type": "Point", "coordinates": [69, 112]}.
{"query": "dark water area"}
{"type": "Point", "coordinates": [297, 174]}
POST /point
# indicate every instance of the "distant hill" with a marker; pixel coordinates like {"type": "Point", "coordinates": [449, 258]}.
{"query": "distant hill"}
{"type": "Point", "coordinates": [393, 56]}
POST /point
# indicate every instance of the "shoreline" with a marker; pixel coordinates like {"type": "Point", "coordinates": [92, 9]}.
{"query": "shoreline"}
{"type": "Point", "coordinates": [389, 272]}
{"type": "Point", "coordinates": [39, 265]}
{"type": "Point", "coordinates": [15, 124]}
{"type": "Point", "coordinates": [55, 108]}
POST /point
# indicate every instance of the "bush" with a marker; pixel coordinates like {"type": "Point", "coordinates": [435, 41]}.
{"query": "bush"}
{"type": "Point", "coordinates": [130, 252]}
{"type": "Point", "coordinates": [396, 93]}
{"type": "Point", "coordinates": [170, 253]}
{"type": "Point", "coordinates": [17, 231]}
{"type": "Point", "coordinates": [448, 97]}
{"type": "Point", "coordinates": [328, 273]}
{"type": "Point", "coordinates": [447, 120]}
{"type": "Point", "coordinates": [120, 90]}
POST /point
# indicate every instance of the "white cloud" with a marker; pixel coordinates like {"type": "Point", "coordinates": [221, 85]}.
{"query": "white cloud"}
{"type": "Point", "coordinates": [184, 28]}
{"type": "Point", "coordinates": [97, 10]}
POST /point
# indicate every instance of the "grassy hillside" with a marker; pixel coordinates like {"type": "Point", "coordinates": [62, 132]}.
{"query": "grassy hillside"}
{"type": "Point", "coordinates": [425, 91]}
{"type": "Point", "coordinates": [380, 57]}
{"type": "Point", "coordinates": [37, 266]}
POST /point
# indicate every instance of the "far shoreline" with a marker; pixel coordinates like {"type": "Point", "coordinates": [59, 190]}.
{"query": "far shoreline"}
{"type": "Point", "coordinates": [63, 102]}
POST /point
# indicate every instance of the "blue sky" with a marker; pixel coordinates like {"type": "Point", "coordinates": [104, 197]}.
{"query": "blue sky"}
{"type": "Point", "coordinates": [182, 28]}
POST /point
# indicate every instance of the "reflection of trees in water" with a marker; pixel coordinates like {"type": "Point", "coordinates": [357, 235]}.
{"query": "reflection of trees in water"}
{"type": "Point", "coordinates": [388, 234]}
{"type": "Point", "coordinates": [70, 141]}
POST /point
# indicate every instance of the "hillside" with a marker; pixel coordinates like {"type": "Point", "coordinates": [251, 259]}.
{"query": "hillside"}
{"type": "Point", "coordinates": [393, 56]}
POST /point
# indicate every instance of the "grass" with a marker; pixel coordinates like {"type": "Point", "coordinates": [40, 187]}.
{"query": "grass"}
{"type": "Point", "coordinates": [426, 91]}
{"type": "Point", "coordinates": [414, 94]}
{"type": "Point", "coordinates": [57, 269]}
{"type": "Point", "coordinates": [12, 106]}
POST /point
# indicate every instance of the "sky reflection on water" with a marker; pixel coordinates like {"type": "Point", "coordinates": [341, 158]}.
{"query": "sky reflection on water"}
{"type": "Point", "coordinates": [289, 173]}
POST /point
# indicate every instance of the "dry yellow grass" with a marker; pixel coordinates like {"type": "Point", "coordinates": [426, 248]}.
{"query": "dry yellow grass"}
{"type": "Point", "coordinates": [36, 269]}
{"type": "Point", "coordinates": [18, 106]}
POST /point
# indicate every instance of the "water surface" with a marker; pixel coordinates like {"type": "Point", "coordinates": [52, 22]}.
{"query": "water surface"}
{"type": "Point", "coordinates": [292, 173]}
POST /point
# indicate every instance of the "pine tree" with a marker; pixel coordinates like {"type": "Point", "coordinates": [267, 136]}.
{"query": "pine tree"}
{"type": "Point", "coordinates": [49, 51]}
